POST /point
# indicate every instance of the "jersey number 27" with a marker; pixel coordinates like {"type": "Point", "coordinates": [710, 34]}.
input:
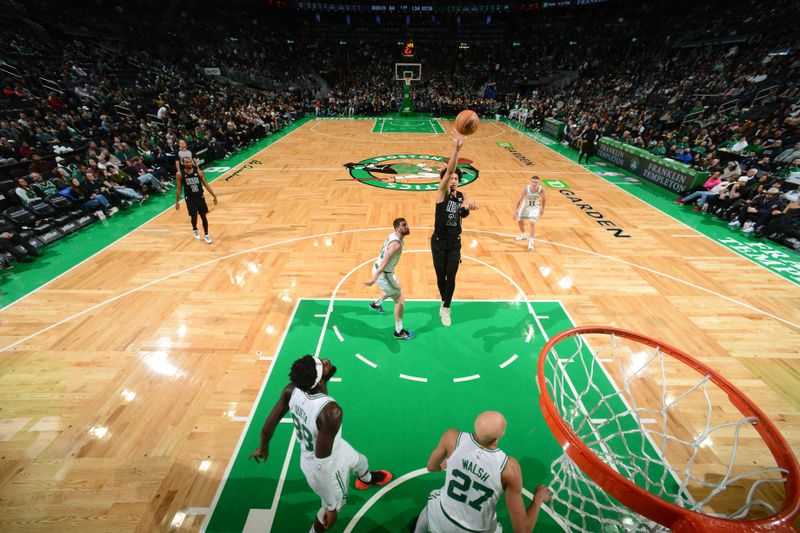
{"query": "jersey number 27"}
{"type": "Point", "coordinates": [459, 486]}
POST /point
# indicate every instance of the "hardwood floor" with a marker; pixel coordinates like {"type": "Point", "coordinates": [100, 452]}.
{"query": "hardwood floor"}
{"type": "Point", "coordinates": [123, 382]}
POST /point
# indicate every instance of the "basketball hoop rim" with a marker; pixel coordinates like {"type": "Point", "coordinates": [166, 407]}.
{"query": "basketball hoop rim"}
{"type": "Point", "coordinates": [640, 500]}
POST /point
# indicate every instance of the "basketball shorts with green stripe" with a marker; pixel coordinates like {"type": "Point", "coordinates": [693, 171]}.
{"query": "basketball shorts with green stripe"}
{"type": "Point", "coordinates": [332, 483]}
{"type": "Point", "coordinates": [389, 284]}
{"type": "Point", "coordinates": [435, 520]}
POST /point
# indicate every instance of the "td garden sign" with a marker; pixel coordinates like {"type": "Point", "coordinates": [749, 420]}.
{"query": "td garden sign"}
{"type": "Point", "coordinates": [407, 172]}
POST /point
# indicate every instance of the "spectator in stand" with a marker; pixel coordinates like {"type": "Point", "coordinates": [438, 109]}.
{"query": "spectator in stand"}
{"type": "Point", "coordinates": [722, 203]}
{"type": "Point", "coordinates": [25, 194]}
{"type": "Point", "coordinates": [113, 182]}
{"type": "Point", "coordinates": [784, 226]}
{"type": "Point", "coordinates": [43, 187]}
{"type": "Point", "coordinates": [788, 155]}
{"type": "Point", "coordinates": [713, 187]}
{"type": "Point", "coordinates": [740, 145]}
{"type": "Point", "coordinates": [40, 165]}
{"type": "Point", "coordinates": [88, 200]}
{"type": "Point", "coordinates": [732, 169]}
{"type": "Point", "coordinates": [709, 184]}
{"type": "Point", "coordinates": [183, 151]}
{"type": "Point", "coordinates": [96, 186]}
{"type": "Point", "coordinates": [685, 157]}
{"type": "Point", "coordinates": [760, 211]}
{"type": "Point", "coordinates": [8, 155]}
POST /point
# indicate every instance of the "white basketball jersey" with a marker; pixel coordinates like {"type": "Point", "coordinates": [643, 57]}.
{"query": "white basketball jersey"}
{"type": "Point", "coordinates": [533, 198]}
{"type": "Point", "coordinates": [395, 258]}
{"type": "Point", "coordinates": [304, 409]}
{"type": "Point", "coordinates": [472, 485]}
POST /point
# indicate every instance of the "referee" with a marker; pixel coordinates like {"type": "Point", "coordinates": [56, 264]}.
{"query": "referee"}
{"type": "Point", "coordinates": [446, 238]}
{"type": "Point", "coordinates": [191, 180]}
{"type": "Point", "coordinates": [590, 137]}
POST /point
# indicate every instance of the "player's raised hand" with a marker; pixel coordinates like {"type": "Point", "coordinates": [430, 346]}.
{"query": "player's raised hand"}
{"type": "Point", "coordinates": [457, 138]}
{"type": "Point", "coordinates": [472, 206]}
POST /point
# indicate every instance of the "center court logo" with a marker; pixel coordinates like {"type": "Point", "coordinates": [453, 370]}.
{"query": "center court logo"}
{"type": "Point", "coordinates": [407, 172]}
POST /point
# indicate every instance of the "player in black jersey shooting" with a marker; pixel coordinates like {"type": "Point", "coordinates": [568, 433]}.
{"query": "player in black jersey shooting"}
{"type": "Point", "coordinates": [451, 206]}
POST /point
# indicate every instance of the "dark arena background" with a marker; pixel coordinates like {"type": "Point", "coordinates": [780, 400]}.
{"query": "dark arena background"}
{"type": "Point", "coordinates": [149, 321]}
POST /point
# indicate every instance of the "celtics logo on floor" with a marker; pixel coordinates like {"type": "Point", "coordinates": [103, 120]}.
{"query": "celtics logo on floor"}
{"type": "Point", "coordinates": [407, 172]}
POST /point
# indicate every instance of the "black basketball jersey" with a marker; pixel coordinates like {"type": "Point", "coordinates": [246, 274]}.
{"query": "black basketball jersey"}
{"type": "Point", "coordinates": [448, 216]}
{"type": "Point", "coordinates": [192, 186]}
{"type": "Point", "coordinates": [590, 137]}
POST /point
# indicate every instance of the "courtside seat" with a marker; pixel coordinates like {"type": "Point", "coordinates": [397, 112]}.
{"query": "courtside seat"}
{"type": "Point", "coordinates": [42, 209]}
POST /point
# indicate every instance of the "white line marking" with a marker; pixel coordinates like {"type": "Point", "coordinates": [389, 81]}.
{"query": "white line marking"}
{"type": "Point", "coordinates": [545, 317]}
{"type": "Point", "coordinates": [414, 378]}
{"type": "Point", "coordinates": [466, 378]}
{"type": "Point", "coordinates": [336, 380]}
{"type": "Point", "coordinates": [240, 418]}
{"type": "Point", "coordinates": [383, 490]}
{"type": "Point", "coordinates": [262, 519]}
{"type": "Point", "coordinates": [321, 315]}
{"type": "Point", "coordinates": [338, 335]}
{"type": "Point", "coordinates": [674, 236]}
{"type": "Point", "coordinates": [244, 431]}
{"type": "Point", "coordinates": [509, 361]}
{"type": "Point", "coordinates": [197, 510]}
{"type": "Point", "coordinates": [286, 421]}
{"type": "Point", "coordinates": [266, 358]}
{"type": "Point", "coordinates": [367, 361]}
{"type": "Point", "coordinates": [256, 518]}
{"type": "Point", "coordinates": [530, 333]}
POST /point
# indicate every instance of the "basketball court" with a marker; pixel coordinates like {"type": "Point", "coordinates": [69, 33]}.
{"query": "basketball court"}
{"type": "Point", "coordinates": [135, 384]}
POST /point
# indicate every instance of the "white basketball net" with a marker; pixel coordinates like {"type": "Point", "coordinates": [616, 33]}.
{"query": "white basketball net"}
{"type": "Point", "coordinates": [650, 418]}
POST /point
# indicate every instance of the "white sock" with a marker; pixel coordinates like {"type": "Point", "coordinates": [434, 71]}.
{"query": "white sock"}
{"type": "Point", "coordinates": [363, 466]}
{"type": "Point", "coordinates": [398, 326]}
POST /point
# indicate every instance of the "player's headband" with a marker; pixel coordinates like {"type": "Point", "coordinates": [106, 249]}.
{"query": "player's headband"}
{"type": "Point", "coordinates": [318, 364]}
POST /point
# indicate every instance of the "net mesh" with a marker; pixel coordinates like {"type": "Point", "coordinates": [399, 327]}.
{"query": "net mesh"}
{"type": "Point", "coordinates": [659, 424]}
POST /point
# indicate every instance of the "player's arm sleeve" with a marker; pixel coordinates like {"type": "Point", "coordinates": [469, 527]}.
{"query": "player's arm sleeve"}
{"type": "Point", "coordinates": [464, 212]}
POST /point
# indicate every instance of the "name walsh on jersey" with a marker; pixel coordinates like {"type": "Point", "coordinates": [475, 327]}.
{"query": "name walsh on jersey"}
{"type": "Point", "coordinates": [475, 470]}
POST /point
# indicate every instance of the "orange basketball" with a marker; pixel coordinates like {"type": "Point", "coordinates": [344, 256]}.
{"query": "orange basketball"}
{"type": "Point", "coordinates": [467, 122]}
